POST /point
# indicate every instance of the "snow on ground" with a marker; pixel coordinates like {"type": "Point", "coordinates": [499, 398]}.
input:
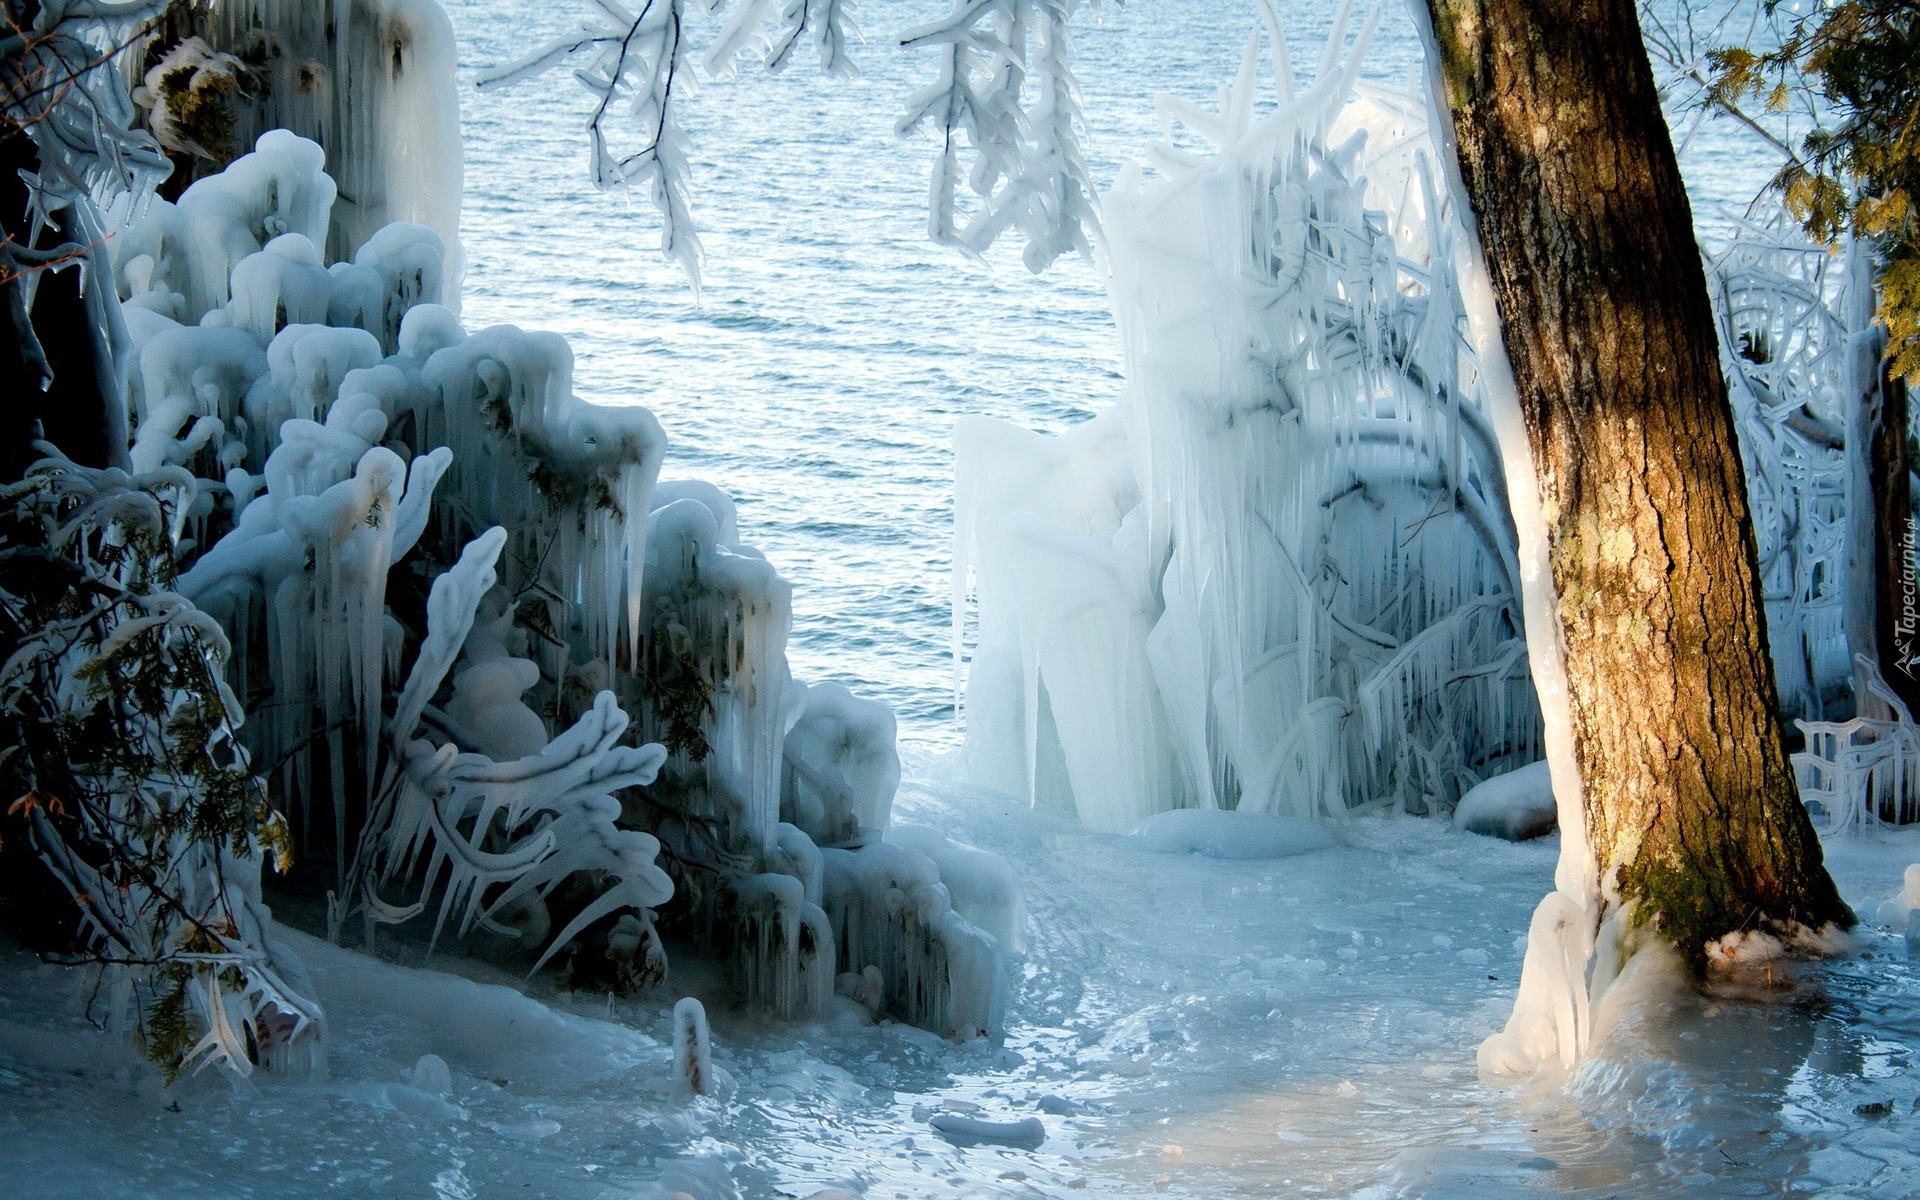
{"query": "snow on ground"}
{"type": "Point", "coordinates": [1184, 1024]}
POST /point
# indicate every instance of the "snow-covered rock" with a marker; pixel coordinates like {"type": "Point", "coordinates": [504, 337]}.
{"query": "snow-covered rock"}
{"type": "Point", "coordinates": [1517, 806]}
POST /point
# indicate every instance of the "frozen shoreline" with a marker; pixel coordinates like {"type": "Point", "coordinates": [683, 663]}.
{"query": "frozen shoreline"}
{"type": "Point", "coordinates": [1295, 1026]}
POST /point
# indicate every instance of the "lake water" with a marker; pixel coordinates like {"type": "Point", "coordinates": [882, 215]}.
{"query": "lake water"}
{"type": "Point", "coordinates": [819, 375]}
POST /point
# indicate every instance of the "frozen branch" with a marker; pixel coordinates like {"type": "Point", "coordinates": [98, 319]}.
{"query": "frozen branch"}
{"type": "Point", "coordinates": [1004, 94]}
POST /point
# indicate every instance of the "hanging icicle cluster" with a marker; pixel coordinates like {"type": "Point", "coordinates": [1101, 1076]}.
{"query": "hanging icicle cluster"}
{"type": "Point", "coordinates": [1279, 575]}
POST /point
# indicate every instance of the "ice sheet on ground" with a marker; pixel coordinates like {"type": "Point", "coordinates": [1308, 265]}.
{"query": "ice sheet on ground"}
{"type": "Point", "coordinates": [1226, 833]}
{"type": "Point", "coordinates": [1296, 1026]}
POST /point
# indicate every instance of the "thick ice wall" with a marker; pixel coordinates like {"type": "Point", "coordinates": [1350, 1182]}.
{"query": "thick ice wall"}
{"type": "Point", "coordinates": [1314, 604]}
{"type": "Point", "coordinates": [373, 82]}
{"type": "Point", "coordinates": [841, 768]}
{"type": "Point", "coordinates": [1048, 532]}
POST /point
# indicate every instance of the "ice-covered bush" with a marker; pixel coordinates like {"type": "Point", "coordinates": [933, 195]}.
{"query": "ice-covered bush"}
{"type": "Point", "coordinates": [509, 683]}
{"type": "Point", "coordinates": [123, 748]}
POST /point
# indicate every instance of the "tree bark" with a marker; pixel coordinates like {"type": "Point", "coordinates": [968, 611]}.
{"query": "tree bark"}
{"type": "Point", "coordinates": [1692, 809]}
{"type": "Point", "coordinates": [1897, 598]}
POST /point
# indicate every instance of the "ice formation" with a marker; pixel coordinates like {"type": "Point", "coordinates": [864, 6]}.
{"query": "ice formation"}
{"type": "Point", "coordinates": [888, 910]}
{"type": "Point", "coordinates": [981, 886]}
{"type": "Point", "coordinates": [1005, 90]}
{"type": "Point", "coordinates": [597, 747]}
{"type": "Point", "coordinates": [693, 1048]}
{"type": "Point", "coordinates": [1897, 910]}
{"type": "Point", "coordinates": [1516, 806]}
{"type": "Point", "coordinates": [372, 80]}
{"type": "Point", "coordinates": [841, 766]}
{"type": "Point", "coordinates": [1027, 1131]}
{"type": "Point", "coordinates": [1280, 575]}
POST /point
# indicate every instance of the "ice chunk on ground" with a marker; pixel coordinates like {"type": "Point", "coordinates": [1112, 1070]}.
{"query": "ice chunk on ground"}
{"type": "Point", "coordinates": [1898, 908]}
{"type": "Point", "coordinates": [1028, 1131]}
{"type": "Point", "coordinates": [1517, 806]}
{"type": "Point", "coordinates": [431, 1075]}
{"type": "Point", "coordinates": [1224, 833]}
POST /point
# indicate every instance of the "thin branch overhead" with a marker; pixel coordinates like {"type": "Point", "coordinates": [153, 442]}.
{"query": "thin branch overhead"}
{"type": "Point", "coordinates": [1004, 105]}
{"type": "Point", "coordinates": [1005, 95]}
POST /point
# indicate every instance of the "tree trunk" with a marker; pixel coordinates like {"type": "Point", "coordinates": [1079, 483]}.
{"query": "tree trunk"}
{"type": "Point", "coordinates": [1691, 805]}
{"type": "Point", "coordinates": [1896, 604]}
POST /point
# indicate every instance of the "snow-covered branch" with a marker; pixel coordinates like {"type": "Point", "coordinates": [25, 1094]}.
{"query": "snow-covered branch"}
{"type": "Point", "coordinates": [1005, 93]}
{"type": "Point", "coordinates": [1003, 103]}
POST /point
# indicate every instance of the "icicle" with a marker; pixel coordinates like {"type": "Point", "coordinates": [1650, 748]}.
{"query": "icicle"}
{"type": "Point", "coordinates": [1200, 598]}
{"type": "Point", "coordinates": [693, 1048]}
{"type": "Point", "coordinates": [889, 910]}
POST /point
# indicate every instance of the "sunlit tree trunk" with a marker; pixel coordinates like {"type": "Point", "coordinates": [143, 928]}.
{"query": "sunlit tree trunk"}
{"type": "Point", "coordinates": [1691, 805]}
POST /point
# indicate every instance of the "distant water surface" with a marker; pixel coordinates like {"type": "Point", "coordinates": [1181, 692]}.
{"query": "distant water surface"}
{"type": "Point", "coordinates": [819, 376]}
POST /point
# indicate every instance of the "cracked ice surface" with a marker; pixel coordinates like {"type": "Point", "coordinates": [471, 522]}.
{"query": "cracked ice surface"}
{"type": "Point", "coordinates": [1213, 1028]}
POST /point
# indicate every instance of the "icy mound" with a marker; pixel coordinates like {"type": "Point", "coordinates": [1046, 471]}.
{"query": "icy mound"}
{"type": "Point", "coordinates": [1897, 910]}
{"type": "Point", "coordinates": [1517, 806]}
{"type": "Point", "coordinates": [598, 722]}
{"type": "Point", "coordinates": [1224, 833]}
